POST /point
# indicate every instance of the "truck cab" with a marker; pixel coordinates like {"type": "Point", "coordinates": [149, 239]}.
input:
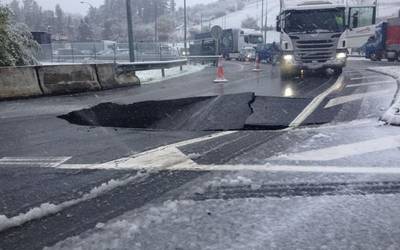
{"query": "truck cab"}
{"type": "Point", "coordinates": [314, 37]}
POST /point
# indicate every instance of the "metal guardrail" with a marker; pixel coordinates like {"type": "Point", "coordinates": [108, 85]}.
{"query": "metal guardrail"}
{"type": "Point", "coordinates": [204, 59]}
{"type": "Point", "coordinates": [143, 66]}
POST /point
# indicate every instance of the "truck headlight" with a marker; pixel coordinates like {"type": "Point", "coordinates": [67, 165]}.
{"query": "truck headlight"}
{"type": "Point", "coordinates": [341, 55]}
{"type": "Point", "coordinates": [288, 58]}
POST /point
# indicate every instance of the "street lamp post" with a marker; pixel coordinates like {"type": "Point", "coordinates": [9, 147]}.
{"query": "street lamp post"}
{"type": "Point", "coordinates": [130, 31]}
{"type": "Point", "coordinates": [262, 14]}
{"type": "Point", "coordinates": [185, 26]}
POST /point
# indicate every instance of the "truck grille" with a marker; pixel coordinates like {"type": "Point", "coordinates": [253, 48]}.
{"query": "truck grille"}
{"type": "Point", "coordinates": [314, 50]}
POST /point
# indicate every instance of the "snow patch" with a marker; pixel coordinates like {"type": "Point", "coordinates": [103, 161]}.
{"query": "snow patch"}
{"type": "Point", "coordinates": [153, 76]}
{"type": "Point", "coordinates": [360, 222]}
{"type": "Point", "coordinates": [392, 116]}
{"type": "Point", "coordinates": [47, 209]}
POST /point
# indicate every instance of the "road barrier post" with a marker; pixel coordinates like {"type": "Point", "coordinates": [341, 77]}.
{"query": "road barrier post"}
{"type": "Point", "coordinates": [220, 72]}
{"type": "Point", "coordinates": [258, 67]}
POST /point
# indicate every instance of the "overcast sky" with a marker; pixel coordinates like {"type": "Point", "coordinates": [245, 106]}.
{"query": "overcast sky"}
{"type": "Point", "coordinates": [74, 6]}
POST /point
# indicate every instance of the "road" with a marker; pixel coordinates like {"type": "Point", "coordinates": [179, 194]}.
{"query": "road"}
{"type": "Point", "coordinates": [305, 163]}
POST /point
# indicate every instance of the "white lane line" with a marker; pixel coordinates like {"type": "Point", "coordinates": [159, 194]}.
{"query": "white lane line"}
{"type": "Point", "coordinates": [345, 150]}
{"type": "Point", "coordinates": [365, 77]}
{"type": "Point", "coordinates": [369, 83]}
{"type": "Point", "coordinates": [316, 102]}
{"type": "Point", "coordinates": [351, 98]}
{"type": "Point", "coordinates": [162, 157]}
{"type": "Point", "coordinates": [297, 168]}
{"type": "Point", "coordinates": [34, 161]}
{"type": "Point", "coordinates": [269, 168]}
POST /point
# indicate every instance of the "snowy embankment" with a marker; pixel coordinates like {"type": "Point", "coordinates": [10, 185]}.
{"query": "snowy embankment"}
{"type": "Point", "coordinates": [152, 76]}
{"type": "Point", "coordinates": [392, 116]}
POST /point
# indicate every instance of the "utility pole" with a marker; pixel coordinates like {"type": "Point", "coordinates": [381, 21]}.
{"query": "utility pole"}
{"type": "Point", "coordinates": [266, 21]}
{"type": "Point", "coordinates": [130, 31]}
{"type": "Point", "coordinates": [155, 22]}
{"type": "Point", "coordinates": [201, 23]}
{"type": "Point", "coordinates": [185, 26]}
{"type": "Point", "coordinates": [262, 15]}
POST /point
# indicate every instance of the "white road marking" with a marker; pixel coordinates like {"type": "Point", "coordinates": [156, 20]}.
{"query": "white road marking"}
{"type": "Point", "coordinates": [296, 168]}
{"type": "Point", "coordinates": [350, 98]}
{"type": "Point", "coordinates": [34, 161]}
{"type": "Point", "coordinates": [345, 150]}
{"type": "Point", "coordinates": [316, 102]}
{"type": "Point", "coordinates": [369, 83]}
{"type": "Point", "coordinates": [264, 168]}
{"type": "Point", "coordinates": [365, 77]}
{"type": "Point", "coordinates": [163, 157]}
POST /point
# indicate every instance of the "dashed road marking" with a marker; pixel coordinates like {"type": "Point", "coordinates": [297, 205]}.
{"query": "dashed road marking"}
{"type": "Point", "coordinates": [351, 98]}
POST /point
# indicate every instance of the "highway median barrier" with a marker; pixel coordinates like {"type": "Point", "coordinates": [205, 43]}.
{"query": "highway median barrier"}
{"type": "Point", "coordinates": [30, 81]}
{"type": "Point", "coordinates": [113, 76]}
{"type": "Point", "coordinates": [18, 82]}
{"type": "Point", "coordinates": [67, 79]}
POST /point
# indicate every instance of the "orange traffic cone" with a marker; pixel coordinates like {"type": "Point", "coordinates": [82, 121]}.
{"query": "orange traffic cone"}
{"type": "Point", "coordinates": [258, 66]}
{"type": "Point", "coordinates": [220, 72]}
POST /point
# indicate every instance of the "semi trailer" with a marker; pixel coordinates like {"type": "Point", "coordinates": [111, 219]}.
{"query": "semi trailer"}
{"type": "Point", "coordinates": [231, 43]}
{"type": "Point", "coordinates": [385, 43]}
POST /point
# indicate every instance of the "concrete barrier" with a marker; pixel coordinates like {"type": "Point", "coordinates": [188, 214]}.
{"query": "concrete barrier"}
{"type": "Point", "coordinates": [18, 82]}
{"type": "Point", "coordinates": [66, 79]}
{"type": "Point", "coordinates": [116, 76]}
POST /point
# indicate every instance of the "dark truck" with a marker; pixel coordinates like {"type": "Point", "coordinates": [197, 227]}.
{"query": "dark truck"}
{"type": "Point", "coordinates": [386, 41]}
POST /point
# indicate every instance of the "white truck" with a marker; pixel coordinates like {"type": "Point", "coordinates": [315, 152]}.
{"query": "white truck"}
{"type": "Point", "coordinates": [235, 40]}
{"type": "Point", "coordinates": [316, 35]}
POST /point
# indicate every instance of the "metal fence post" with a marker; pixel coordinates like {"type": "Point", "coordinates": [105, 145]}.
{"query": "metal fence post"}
{"type": "Point", "coordinates": [51, 52]}
{"type": "Point", "coordinates": [95, 52]}
{"type": "Point", "coordinates": [72, 52]}
{"type": "Point", "coordinates": [163, 72]}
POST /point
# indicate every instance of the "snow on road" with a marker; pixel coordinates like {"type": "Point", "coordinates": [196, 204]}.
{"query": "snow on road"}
{"type": "Point", "coordinates": [325, 222]}
{"type": "Point", "coordinates": [392, 116]}
{"type": "Point", "coordinates": [47, 209]}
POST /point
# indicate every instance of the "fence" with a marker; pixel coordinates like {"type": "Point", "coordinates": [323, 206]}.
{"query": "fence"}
{"type": "Point", "coordinates": [106, 52]}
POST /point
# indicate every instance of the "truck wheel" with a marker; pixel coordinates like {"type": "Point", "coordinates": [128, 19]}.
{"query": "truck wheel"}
{"type": "Point", "coordinates": [391, 59]}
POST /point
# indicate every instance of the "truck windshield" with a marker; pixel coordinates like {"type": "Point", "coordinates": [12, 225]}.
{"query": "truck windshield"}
{"type": "Point", "coordinates": [255, 39]}
{"type": "Point", "coordinates": [315, 21]}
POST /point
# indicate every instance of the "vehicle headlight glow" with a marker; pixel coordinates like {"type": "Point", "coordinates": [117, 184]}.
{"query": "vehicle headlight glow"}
{"type": "Point", "coordinates": [341, 55]}
{"type": "Point", "coordinates": [288, 58]}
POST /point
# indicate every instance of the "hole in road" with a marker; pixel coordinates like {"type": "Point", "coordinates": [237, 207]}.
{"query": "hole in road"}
{"type": "Point", "coordinates": [243, 111]}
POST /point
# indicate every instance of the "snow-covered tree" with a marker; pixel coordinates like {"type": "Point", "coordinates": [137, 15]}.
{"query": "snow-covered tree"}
{"type": "Point", "coordinates": [17, 46]}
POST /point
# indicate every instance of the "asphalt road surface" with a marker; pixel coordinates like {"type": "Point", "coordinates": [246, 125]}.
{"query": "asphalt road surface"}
{"type": "Point", "coordinates": [254, 163]}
